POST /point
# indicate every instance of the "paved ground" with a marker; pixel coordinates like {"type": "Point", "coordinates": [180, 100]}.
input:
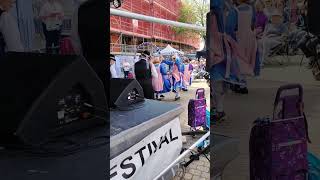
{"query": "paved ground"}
{"type": "Point", "coordinates": [198, 170]}
{"type": "Point", "coordinates": [242, 110]}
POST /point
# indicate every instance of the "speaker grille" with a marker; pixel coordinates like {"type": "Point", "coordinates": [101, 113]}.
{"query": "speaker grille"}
{"type": "Point", "coordinates": [132, 92]}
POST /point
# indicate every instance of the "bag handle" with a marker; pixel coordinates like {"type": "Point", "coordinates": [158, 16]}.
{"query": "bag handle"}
{"type": "Point", "coordinates": [198, 91]}
{"type": "Point", "coordinates": [304, 119]}
{"type": "Point", "coordinates": [288, 87]}
{"type": "Point", "coordinates": [285, 88]}
{"type": "Point", "coordinates": [278, 99]}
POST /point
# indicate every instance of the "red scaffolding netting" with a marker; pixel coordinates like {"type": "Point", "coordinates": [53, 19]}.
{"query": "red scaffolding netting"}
{"type": "Point", "coordinates": [165, 9]}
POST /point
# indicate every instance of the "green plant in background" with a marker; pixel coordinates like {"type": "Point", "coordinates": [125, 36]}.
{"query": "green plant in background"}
{"type": "Point", "coordinates": [186, 15]}
{"type": "Point", "coordinates": [192, 12]}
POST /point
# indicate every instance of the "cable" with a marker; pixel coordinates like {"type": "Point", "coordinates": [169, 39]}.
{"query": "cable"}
{"type": "Point", "coordinates": [183, 169]}
{"type": "Point", "coordinates": [197, 155]}
{"type": "Point", "coordinates": [206, 157]}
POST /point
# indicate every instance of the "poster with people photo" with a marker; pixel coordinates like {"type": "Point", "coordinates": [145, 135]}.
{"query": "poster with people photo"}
{"type": "Point", "coordinates": [125, 65]}
{"type": "Point", "coordinates": [43, 26]}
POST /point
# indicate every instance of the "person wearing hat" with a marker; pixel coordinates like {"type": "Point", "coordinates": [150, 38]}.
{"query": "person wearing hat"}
{"type": "Point", "coordinates": [144, 71]}
{"type": "Point", "coordinates": [113, 67]}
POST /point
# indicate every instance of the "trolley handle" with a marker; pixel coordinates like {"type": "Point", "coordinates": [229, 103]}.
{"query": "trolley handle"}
{"type": "Point", "coordinates": [200, 90]}
{"type": "Point", "coordinates": [285, 88]}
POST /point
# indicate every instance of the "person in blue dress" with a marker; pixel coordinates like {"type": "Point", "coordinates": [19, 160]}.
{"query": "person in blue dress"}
{"type": "Point", "coordinates": [177, 69]}
{"type": "Point", "coordinates": [166, 75]}
{"type": "Point", "coordinates": [218, 85]}
{"type": "Point", "coordinates": [219, 81]}
{"type": "Point", "coordinates": [171, 68]}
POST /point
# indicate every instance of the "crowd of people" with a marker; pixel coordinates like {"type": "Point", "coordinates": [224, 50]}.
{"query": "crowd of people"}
{"type": "Point", "coordinates": [274, 23]}
{"type": "Point", "coordinates": [244, 34]}
{"type": "Point", "coordinates": [159, 75]}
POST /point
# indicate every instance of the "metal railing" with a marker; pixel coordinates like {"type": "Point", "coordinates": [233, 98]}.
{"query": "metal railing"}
{"type": "Point", "coordinates": [183, 155]}
{"type": "Point", "coordinates": [123, 48]}
{"type": "Point", "coordinates": [127, 49]}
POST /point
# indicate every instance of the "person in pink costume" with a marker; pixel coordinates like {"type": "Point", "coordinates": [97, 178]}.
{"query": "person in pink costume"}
{"type": "Point", "coordinates": [157, 82]}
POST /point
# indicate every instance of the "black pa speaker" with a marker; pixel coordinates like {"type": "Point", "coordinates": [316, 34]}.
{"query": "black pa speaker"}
{"type": "Point", "coordinates": [313, 15]}
{"type": "Point", "coordinates": [125, 92]}
{"type": "Point", "coordinates": [44, 96]}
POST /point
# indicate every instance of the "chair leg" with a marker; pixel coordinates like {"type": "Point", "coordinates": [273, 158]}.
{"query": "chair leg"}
{"type": "Point", "coordinates": [301, 60]}
{"type": "Point", "coordinates": [288, 52]}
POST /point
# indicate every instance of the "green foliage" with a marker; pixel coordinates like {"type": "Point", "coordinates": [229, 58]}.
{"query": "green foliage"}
{"type": "Point", "coordinates": [192, 12]}
{"type": "Point", "coordinates": [186, 15]}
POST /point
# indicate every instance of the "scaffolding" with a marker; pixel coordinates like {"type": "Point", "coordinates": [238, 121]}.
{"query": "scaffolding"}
{"type": "Point", "coordinates": [159, 34]}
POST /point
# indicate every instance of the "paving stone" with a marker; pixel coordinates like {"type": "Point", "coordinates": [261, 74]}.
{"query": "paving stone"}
{"type": "Point", "coordinates": [203, 168]}
{"type": "Point", "coordinates": [260, 98]}
{"type": "Point", "coordinates": [195, 172]}
{"type": "Point", "coordinates": [188, 176]}
{"type": "Point", "coordinates": [205, 175]}
{"type": "Point", "coordinates": [192, 171]}
{"type": "Point", "coordinates": [199, 163]}
{"type": "Point", "coordinates": [196, 177]}
{"type": "Point", "coordinates": [200, 168]}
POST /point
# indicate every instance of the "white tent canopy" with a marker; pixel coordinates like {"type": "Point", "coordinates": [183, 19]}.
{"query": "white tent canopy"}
{"type": "Point", "coordinates": [170, 51]}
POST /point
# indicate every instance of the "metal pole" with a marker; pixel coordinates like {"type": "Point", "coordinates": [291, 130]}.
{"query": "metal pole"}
{"type": "Point", "coordinates": [211, 4]}
{"type": "Point", "coordinates": [204, 137]}
{"type": "Point", "coordinates": [131, 15]}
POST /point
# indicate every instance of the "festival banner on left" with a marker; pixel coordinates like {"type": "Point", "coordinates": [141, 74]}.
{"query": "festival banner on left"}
{"type": "Point", "coordinates": [146, 159]}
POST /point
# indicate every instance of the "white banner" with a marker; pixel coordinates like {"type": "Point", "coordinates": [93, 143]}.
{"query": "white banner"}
{"type": "Point", "coordinates": [146, 159]}
{"type": "Point", "coordinates": [130, 59]}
